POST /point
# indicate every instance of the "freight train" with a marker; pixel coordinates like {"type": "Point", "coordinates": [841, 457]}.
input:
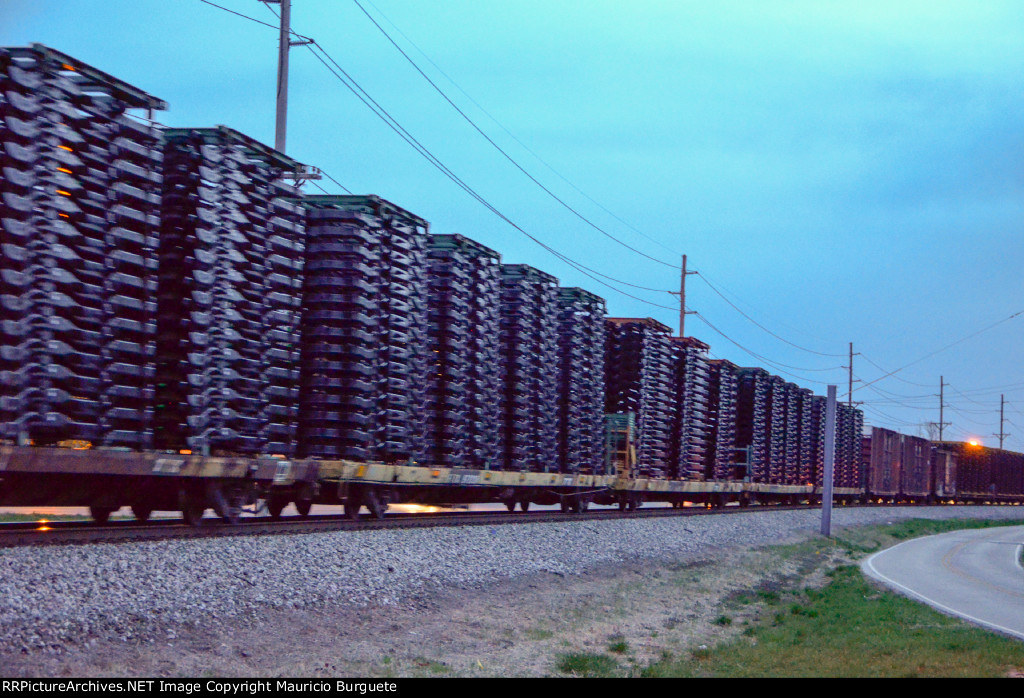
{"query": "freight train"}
{"type": "Point", "coordinates": [183, 329]}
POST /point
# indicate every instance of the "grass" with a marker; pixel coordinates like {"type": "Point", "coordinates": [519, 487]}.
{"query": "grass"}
{"type": "Point", "coordinates": [872, 538]}
{"type": "Point", "coordinates": [539, 634]}
{"type": "Point", "coordinates": [430, 665]}
{"type": "Point", "coordinates": [589, 665]}
{"type": "Point", "coordinates": [849, 628]}
{"type": "Point", "coordinates": [618, 645]}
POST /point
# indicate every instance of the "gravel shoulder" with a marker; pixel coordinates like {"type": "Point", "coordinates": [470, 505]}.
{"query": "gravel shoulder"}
{"type": "Point", "coordinates": [501, 601]}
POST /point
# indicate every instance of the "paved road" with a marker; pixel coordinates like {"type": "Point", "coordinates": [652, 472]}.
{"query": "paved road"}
{"type": "Point", "coordinates": [973, 574]}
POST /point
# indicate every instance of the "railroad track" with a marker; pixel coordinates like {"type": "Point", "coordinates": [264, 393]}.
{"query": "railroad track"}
{"type": "Point", "coordinates": [27, 534]}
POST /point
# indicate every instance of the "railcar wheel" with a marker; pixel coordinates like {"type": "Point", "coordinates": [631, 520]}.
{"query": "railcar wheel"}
{"type": "Point", "coordinates": [276, 505]}
{"type": "Point", "coordinates": [141, 512]}
{"type": "Point", "coordinates": [510, 504]}
{"type": "Point", "coordinates": [353, 503]}
{"type": "Point", "coordinates": [584, 504]}
{"type": "Point", "coordinates": [376, 503]}
{"type": "Point", "coordinates": [228, 501]}
{"type": "Point", "coordinates": [525, 505]}
{"type": "Point", "coordinates": [303, 506]}
{"type": "Point", "coordinates": [623, 504]}
{"type": "Point", "coordinates": [101, 514]}
{"type": "Point", "coordinates": [193, 512]}
{"type": "Point", "coordinates": [565, 505]}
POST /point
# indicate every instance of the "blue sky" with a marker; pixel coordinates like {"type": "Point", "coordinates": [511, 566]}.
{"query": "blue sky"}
{"type": "Point", "coordinates": [841, 171]}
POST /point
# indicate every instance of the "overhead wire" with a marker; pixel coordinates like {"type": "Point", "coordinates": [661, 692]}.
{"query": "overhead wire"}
{"type": "Point", "coordinates": [501, 150]}
{"type": "Point", "coordinates": [516, 139]}
{"type": "Point", "coordinates": [773, 334]}
{"type": "Point", "coordinates": [774, 364]}
{"type": "Point", "coordinates": [948, 346]}
{"type": "Point", "coordinates": [899, 378]}
{"type": "Point", "coordinates": [892, 420]}
{"type": "Point", "coordinates": [346, 189]}
{"type": "Point", "coordinates": [353, 86]}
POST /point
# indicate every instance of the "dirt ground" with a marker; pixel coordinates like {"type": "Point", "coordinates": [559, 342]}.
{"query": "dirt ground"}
{"type": "Point", "coordinates": [520, 627]}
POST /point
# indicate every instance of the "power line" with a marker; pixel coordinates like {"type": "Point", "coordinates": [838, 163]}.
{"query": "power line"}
{"type": "Point", "coordinates": [892, 420]}
{"type": "Point", "coordinates": [239, 14]}
{"type": "Point", "coordinates": [948, 346]}
{"type": "Point", "coordinates": [903, 380]}
{"type": "Point", "coordinates": [382, 113]}
{"type": "Point", "coordinates": [773, 364]}
{"type": "Point", "coordinates": [353, 86]}
{"type": "Point", "coordinates": [517, 140]}
{"type": "Point", "coordinates": [344, 188]}
{"type": "Point", "coordinates": [502, 151]}
{"type": "Point", "coordinates": [728, 292]}
{"type": "Point", "coordinates": [738, 310]}
{"type": "Point", "coordinates": [897, 397]}
{"type": "Point", "coordinates": [969, 419]}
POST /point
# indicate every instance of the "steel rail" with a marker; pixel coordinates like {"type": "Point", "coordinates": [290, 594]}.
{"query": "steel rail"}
{"type": "Point", "coordinates": [24, 534]}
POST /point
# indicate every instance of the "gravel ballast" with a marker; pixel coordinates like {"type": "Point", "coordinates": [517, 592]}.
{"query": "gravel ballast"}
{"type": "Point", "coordinates": [55, 597]}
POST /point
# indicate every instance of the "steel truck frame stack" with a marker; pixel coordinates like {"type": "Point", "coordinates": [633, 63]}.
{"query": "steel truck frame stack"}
{"type": "Point", "coordinates": [581, 397]}
{"type": "Point", "coordinates": [231, 258]}
{"type": "Point", "coordinates": [849, 425]}
{"type": "Point", "coordinates": [365, 345]}
{"type": "Point", "coordinates": [752, 421]}
{"type": "Point", "coordinates": [721, 459]}
{"type": "Point", "coordinates": [80, 208]}
{"type": "Point", "coordinates": [776, 437]}
{"type": "Point", "coordinates": [638, 369]}
{"type": "Point", "coordinates": [808, 439]}
{"type": "Point", "coordinates": [691, 429]}
{"type": "Point", "coordinates": [529, 337]}
{"type": "Point", "coordinates": [465, 395]}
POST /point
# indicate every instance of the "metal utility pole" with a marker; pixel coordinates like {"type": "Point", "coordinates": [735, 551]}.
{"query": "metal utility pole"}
{"type": "Point", "coordinates": [1002, 434]}
{"type": "Point", "coordinates": [683, 312]}
{"type": "Point", "coordinates": [830, 452]}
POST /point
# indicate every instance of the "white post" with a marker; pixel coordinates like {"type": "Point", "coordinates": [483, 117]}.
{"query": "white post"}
{"type": "Point", "coordinates": [830, 453]}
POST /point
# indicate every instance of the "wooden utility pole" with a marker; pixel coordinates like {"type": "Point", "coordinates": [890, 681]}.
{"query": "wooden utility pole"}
{"type": "Point", "coordinates": [849, 395]}
{"type": "Point", "coordinates": [1002, 434]}
{"type": "Point", "coordinates": [942, 405]}
{"type": "Point", "coordinates": [281, 125]}
{"type": "Point", "coordinates": [683, 312]}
